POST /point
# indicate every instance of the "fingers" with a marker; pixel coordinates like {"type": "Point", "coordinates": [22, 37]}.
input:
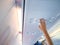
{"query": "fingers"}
{"type": "Point", "coordinates": [42, 24]}
{"type": "Point", "coordinates": [42, 21]}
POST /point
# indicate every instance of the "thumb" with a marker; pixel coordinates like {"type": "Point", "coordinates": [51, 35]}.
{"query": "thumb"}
{"type": "Point", "coordinates": [40, 27]}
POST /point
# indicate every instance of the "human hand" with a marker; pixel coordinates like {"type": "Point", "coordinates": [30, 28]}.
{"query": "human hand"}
{"type": "Point", "coordinates": [42, 25]}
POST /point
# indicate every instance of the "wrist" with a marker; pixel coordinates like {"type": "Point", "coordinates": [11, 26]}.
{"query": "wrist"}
{"type": "Point", "coordinates": [45, 32]}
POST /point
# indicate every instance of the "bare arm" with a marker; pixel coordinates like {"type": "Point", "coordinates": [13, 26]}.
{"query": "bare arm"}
{"type": "Point", "coordinates": [42, 26]}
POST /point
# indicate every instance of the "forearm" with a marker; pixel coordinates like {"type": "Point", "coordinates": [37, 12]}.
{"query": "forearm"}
{"type": "Point", "coordinates": [48, 39]}
{"type": "Point", "coordinates": [42, 26]}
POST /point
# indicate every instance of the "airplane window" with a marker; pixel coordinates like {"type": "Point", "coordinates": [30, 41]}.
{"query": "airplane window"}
{"type": "Point", "coordinates": [35, 10]}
